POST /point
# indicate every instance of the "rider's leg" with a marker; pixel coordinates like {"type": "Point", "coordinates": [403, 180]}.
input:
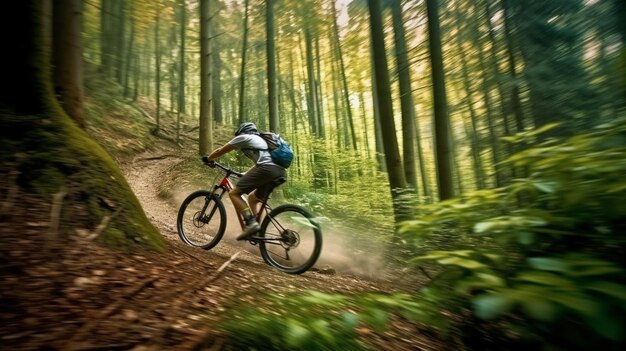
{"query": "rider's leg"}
{"type": "Point", "coordinates": [242, 209]}
{"type": "Point", "coordinates": [254, 202]}
{"type": "Point", "coordinates": [238, 202]}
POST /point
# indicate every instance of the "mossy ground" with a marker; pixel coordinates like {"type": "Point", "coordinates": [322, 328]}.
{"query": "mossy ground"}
{"type": "Point", "coordinates": [51, 154]}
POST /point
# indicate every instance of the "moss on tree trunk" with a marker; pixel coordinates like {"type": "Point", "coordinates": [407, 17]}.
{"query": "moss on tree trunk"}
{"type": "Point", "coordinates": [50, 151]}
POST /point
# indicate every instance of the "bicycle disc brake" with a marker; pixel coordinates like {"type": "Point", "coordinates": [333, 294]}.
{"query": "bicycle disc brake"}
{"type": "Point", "coordinates": [199, 220]}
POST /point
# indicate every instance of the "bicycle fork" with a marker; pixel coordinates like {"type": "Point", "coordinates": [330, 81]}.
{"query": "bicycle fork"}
{"type": "Point", "coordinates": [207, 218]}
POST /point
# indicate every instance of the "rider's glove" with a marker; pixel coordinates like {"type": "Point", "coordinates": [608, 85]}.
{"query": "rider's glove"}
{"type": "Point", "coordinates": [206, 161]}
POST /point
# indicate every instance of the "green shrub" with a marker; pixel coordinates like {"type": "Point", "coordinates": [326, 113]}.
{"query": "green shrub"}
{"type": "Point", "coordinates": [318, 321]}
{"type": "Point", "coordinates": [543, 254]}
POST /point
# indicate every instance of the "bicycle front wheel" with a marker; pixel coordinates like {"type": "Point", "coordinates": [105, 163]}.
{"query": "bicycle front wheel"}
{"type": "Point", "coordinates": [292, 239]}
{"type": "Point", "coordinates": [201, 220]}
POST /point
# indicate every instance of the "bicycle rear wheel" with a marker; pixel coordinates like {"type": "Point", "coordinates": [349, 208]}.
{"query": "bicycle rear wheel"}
{"type": "Point", "coordinates": [201, 220]}
{"type": "Point", "coordinates": [292, 239]}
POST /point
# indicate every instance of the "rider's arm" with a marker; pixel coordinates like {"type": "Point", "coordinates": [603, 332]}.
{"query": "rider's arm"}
{"type": "Point", "coordinates": [221, 151]}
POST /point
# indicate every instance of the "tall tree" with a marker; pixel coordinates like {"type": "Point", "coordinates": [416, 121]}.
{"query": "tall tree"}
{"type": "Point", "coordinates": [120, 38]}
{"type": "Point", "coordinates": [206, 95]}
{"type": "Point", "coordinates": [157, 65]}
{"type": "Point", "coordinates": [496, 153]}
{"type": "Point", "coordinates": [218, 116]}
{"type": "Point", "coordinates": [319, 111]}
{"type": "Point", "coordinates": [378, 134]}
{"type": "Point", "coordinates": [344, 81]}
{"type": "Point", "coordinates": [242, 75]}
{"type": "Point", "coordinates": [128, 60]}
{"type": "Point", "coordinates": [181, 66]}
{"type": "Point", "coordinates": [271, 66]}
{"type": "Point", "coordinates": [311, 96]}
{"type": "Point", "coordinates": [468, 99]}
{"type": "Point", "coordinates": [515, 103]}
{"type": "Point", "coordinates": [67, 50]}
{"type": "Point", "coordinates": [406, 95]}
{"type": "Point", "coordinates": [383, 91]}
{"type": "Point", "coordinates": [443, 145]}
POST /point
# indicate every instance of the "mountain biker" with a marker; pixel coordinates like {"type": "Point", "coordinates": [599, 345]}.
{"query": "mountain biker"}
{"type": "Point", "coordinates": [255, 182]}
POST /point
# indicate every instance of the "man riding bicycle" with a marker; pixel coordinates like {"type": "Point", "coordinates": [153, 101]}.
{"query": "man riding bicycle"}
{"type": "Point", "coordinates": [257, 181]}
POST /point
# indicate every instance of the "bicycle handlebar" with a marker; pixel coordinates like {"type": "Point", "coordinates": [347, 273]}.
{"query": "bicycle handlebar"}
{"type": "Point", "coordinates": [228, 171]}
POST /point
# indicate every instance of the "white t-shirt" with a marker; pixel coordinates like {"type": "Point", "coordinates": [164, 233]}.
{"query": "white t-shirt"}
{"type": "Point", "coordinates": [254, 147]}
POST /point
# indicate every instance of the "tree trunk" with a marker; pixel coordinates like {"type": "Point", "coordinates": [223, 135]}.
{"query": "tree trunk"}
{"type": "Point", "coordinates": [218, 116]}
{"type": "Point", "coordinates": [271, 67]}
{"type": "Point", "coordinates": [406, 98]}
{"type": "Point", "coordinates": [63, 156]}
{"type": "Point", "coordinates": [378, 135]}
{"type": "Point", "coordinates": [172, 68]}
{"type": "Point", "coordinates": [473, 131]}
{"type": "Point", "coordinates": [67, 58]}
{"type": "Point", "coordinates": [422, 166]}
{"type": "Point", "coordinates": [242, 76]}
{"type": "Point", "coordinates": [364, 116]}
{"type": "Point", "coordinates": [119, 38]}
{"type": "Point", "coordinates": [105, 17]}
{"type": "Point", "coordinates": [339, 127]}
{"type": "Point", "coordinates": [443, 151]}
{"type": "Point", "coordinates": [311, 100]}
{"type": "Point", "coordinates": [344, 80]}
{"type": "Point", "coordinates": [206, 103]}
{"type": "Point", "coordinates": [181, 67]}
{"type": "Point", "coordinates": [157, 65]}
{"type": "Point", "coordinates": [383, 90]}
{"type": "Point", "coordinates": [496, 153]}
{"type": "Point", "coordinates": [516, 104]}
{"type": "Point", "coordinates": [321, 125]}
{"type": "Point", "coordinates": [137, 69]}
{"type": "Point", "coordinates": [129, 58]}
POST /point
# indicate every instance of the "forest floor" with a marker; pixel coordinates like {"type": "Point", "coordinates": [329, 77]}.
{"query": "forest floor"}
{"type": "Point", "coordinates": [69, 293]}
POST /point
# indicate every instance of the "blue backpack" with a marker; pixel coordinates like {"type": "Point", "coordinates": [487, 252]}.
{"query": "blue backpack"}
{"type": "Point", "coordinates": [278, 148]}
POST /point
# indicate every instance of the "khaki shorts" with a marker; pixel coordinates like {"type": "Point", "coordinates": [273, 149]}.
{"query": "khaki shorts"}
{"type": "Point", "coordinates": [259, 178]}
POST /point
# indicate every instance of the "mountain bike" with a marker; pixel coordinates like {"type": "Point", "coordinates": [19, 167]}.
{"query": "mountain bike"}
{"type": "Point", "coordinates": [289, 239]}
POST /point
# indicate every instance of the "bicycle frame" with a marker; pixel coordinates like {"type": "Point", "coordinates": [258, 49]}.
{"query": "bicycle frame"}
{"type": "Point", "coordinates": [226, 186]}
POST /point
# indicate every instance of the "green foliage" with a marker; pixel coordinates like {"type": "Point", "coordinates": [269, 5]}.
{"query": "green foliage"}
{"type": "Point", "coordinates": [544, 253]}
{"type": "Point", "coordinates": [318, 321]}
{"type": "Point", "coordinates": [121, 127]}
{"type": "Point", "coordinates": [342, 184]}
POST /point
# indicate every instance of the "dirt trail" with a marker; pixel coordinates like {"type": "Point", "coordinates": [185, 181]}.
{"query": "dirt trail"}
{"type": "Point", "coordinates": [73, 294]}
{"type": "Point", "coordinates": [141, 174]}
